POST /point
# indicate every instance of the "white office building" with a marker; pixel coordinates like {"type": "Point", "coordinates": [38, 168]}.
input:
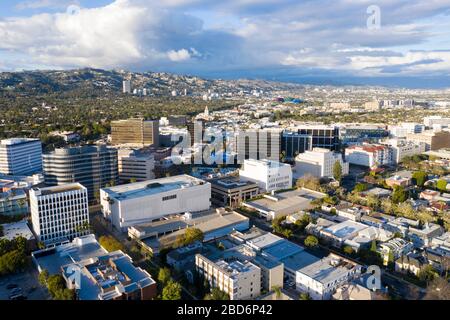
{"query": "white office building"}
{"type": "Point", "coordinates": [369, 155]}
{"type": "Point", "coordinates": [321, 278]}
{"type": "Point", "coordinates": [135, 165]}
{"type": "Point", "coordinates": [433, 121]}
{"type": "Point", "coordinates": [241, 280]}
{"type": "Point", "coordinates": [402, 148]}
{"type": "Point", "coordinates": [318, 162]}
{"type": "Point", "coordinates": [405, 128]}
{"type": "Point", "coordinates": [59, 214]}
{"type": "Point", "coordinates": [269, 175]}
{"type": "Point", "coordinates": [20, 156]}
{"type": "Point", "coordinates": [135, 203]}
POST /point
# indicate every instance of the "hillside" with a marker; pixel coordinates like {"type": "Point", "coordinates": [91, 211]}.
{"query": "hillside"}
{"type": "Point", "coordinates": [96, 81]}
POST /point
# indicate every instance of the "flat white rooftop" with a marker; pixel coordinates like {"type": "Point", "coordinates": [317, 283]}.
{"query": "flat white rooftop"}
{"type": "Point", "coordinates": [151, 187]}
{"type": "Point", "coordinates": [13, 141]}
{"type": "Point", "coordinates": [17, 229]}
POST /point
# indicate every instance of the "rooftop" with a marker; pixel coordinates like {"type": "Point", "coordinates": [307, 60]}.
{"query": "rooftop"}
{"type": "Point", "coordinates": [328, 269]}
{"type": "Point", "coordinates": [299, 260]}
{"type": "Point", "coordinates": [345, 229]}
{"type": "Point", "coordinates": [152, 187]}
{"type": "Point", "coordinates": [206, 221]}
{"type": "Point", "coordinates": [14, 141]}
{"type": "Point", "coordinates": [231, 182]}
{"type": "Point", "coordinates": [59, 189]}
{"type": "Point", "coordinates": [286, 202]}
{"type": "Point", "coordinates": [17, 229]}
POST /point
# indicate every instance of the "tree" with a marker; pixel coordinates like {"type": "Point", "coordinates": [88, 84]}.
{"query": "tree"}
{"type": "Point", "coordinates": [43, 276]}
{"type": "Point", "coordinates": [360, 187]}
{"type": "Point", "coordinates": [406, 210]}
{"type": "Point", "coordinates": [171, 291]}
{"type": "Point", "coordinates": [110, 243]}
{"type": "Point", "coordinates": [337, 171]}
{"type": "Point", "coordinates": [304, 296]}
{"type": "Point", "coordinates": [438, 289]}
{"type": "Point", "coordinates": [387, 206]}
{"type": "Point", "coordinates": [190, 235]}
{"type": "Point", "coordinates": [441, 185]}
{"type": "Point", "coordinates": [217, 294]}
{"type": "Point", "coordinates": [348, 250]}
{"type": "Point", "coordinates": [308, 181]}
{"type": "Point", "coordinates": [399, 195]}
{"type": "Point", "coordinates": [420, 177]}
{"type": "Point", "coordinates": [311, 241]}
{"type": "Point", "coordinates": [427, 274]}
{"type": "Point", "coordinates": [164, 275]}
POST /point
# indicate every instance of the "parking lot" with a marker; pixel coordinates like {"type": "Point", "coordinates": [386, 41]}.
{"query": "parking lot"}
{"type": "Point", "coordinates": [26, 283]}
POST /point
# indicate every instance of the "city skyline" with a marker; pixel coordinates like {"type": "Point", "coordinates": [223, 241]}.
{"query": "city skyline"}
{"type": "Point", "coordinates": [318, 42]}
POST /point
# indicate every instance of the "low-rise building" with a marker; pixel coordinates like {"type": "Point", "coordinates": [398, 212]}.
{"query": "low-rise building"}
{"type": "Point", "coordinates": [394, 248]}
{"type": "Point", "coordinates": [231, 192]}
{"type": "Point", "coordinates": [14, 202]}
{"type": "Point", "coordinates": [411, 263]}
{"type": "Point", "coordinates": [284, 203]}
{"type": "Point", "coordinates": [141, 202]}
{"type": "Point", "coordinates": [21, 228]}
{"type": "Point", "coordinates": [268, 174]}
{"type": "Point", "coordinates": [321, 278]}
{"type": "Point", "coordinates": [100, 275]}
{"type": "Point", "coordinates": [398, 181]}
{"type": "Point", "coordinates": [214, 224]}
{"type": "Point", "coordinates": [422, 237]}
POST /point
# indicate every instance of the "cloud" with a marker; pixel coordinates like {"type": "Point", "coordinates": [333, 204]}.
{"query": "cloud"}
{"type": "Point", "coordinates": [232, 37]}
{"type": "Point", "coordinates": [179, 55]}
{"type": "Point", "coordinates": [39, 4]}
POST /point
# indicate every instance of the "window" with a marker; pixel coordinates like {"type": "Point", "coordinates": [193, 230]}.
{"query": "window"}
{"type": "Point", "coordinates": [166, 198]}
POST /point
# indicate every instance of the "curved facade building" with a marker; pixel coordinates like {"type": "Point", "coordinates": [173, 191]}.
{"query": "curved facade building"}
{"type": "Point", "coordinates": [92, 166]}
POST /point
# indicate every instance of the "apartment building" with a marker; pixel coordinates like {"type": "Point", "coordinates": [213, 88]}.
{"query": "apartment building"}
{"type": "Point", "coordinates": [318, 162]}
{"type": "Point", "coordinates": [269, 175]}
{"type": "Point", "coordinates": [396, 248]}
{"type": "Point", "coordinates": [20, 156]}
{"type": "Point", "coordinates": [136, 132]}
{"type": "Point", "coordinates": [145, 201]}
{"type": "Point", "coordinates": [369, 155]}
{"type": "Point", "coordinates": [135, 165]}
{"type": "Point", "coordinates": [60, 213]}
{"type": "Point", "coordinates": [402, 148]}
{"type": "Point", "coordinates": [92, 166]}
{"type": "Point", "coordinates": [321, 278]}
{"type": "Point", "coordinates": [240, 280]}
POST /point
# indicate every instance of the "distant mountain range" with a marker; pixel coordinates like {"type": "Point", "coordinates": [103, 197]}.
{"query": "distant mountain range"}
{"type": "Point", "coordinates": [95, 81]}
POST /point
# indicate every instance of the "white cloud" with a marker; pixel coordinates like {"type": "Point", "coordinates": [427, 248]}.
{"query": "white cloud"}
{"type": "Point", "coordinates": [325, 35]}
{"type": "Point", "coordinates": [180, 55]}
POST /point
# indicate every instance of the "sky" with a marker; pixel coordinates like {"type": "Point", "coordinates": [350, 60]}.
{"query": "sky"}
{"type": "Point", "coordinates": [386, 42]}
